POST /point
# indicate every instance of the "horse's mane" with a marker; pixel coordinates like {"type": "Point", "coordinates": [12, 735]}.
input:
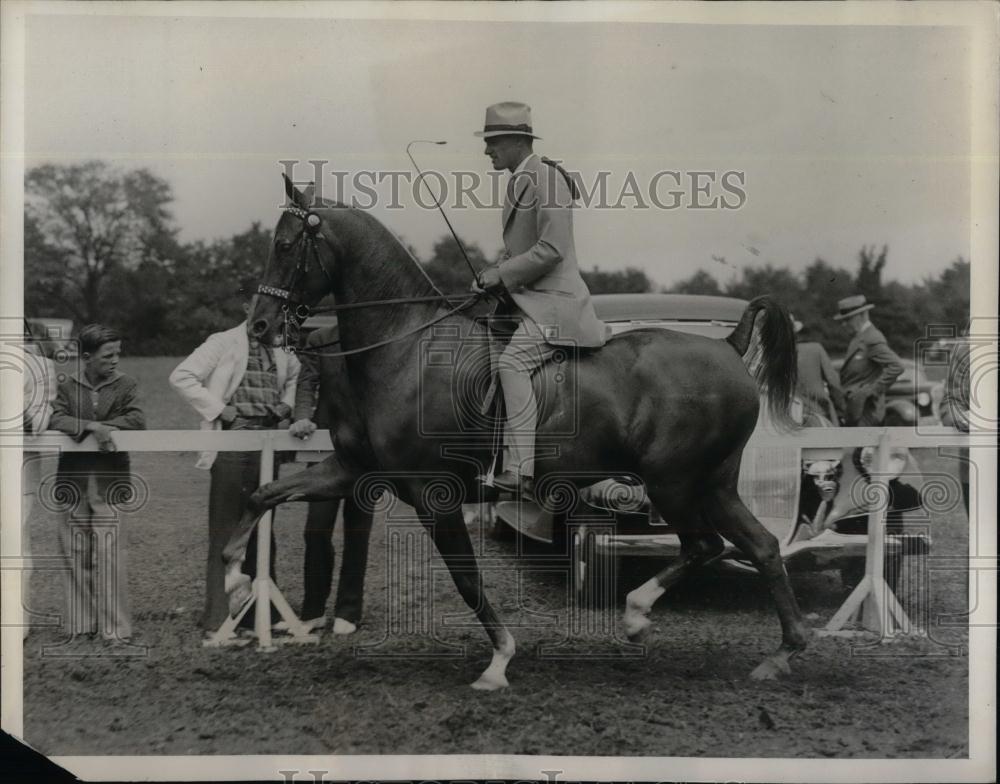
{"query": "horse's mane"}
{"type": "Point", "coordinates": [383, 265]}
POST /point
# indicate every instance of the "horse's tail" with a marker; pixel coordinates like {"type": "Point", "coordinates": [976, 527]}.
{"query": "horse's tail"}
{"type": "Point", "coordinates": [767, 347]}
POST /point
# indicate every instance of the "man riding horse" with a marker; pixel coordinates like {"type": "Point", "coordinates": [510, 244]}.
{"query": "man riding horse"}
{"type": "Point", "coordinates": [539, 272]}
{"type": "Point", "coordinates": [673, 409]}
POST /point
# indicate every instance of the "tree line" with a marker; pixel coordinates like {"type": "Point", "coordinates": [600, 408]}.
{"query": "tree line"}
{"type": "Point", "coordinates": [100, 244]}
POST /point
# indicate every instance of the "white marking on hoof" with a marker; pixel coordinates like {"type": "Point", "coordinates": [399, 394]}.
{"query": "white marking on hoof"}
{"type": "Point", "coordinates": [239, 591]}
{"type": "Point", "coordinates": [494, 677]}
{"type": "Point", "coordinates": [637, 627]}
{"type": "Point", "coordinates": [771, 668]}
{"type": "Point", "coordinates": [638, 605]}
{"type": "Point", "coordinates": [340, 626]}
{"type": "Point", "coordinates": [490, 683]}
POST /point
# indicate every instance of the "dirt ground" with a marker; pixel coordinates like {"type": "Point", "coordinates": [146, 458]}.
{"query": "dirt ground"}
{"type": "Point", "coordinates": [400, 684]}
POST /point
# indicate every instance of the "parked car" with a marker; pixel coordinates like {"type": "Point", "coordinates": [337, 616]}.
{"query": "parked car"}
{"type": "Point", "coordinates": [913, 398]}
{"type": "Point", "coordinates": [910, 399]}
{"type": "Point", "coordinates": [805, 497]}
{"type": "Point", "coordinates": [57, 335]}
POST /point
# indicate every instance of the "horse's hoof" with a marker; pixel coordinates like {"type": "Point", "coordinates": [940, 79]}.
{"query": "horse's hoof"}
{"type": "Point", "coordinates": [239, 594]}
{"type": "Point", "coordinates": [490, 683]}
{"type": "Point", "coordinates": [340, 626]}
{"type": "Point", "coordinates": [637, 628]}
{"type": "Point", "coordinates": [771, 669]}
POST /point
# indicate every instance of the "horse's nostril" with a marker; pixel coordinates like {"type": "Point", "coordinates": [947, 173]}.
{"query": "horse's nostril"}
{"type": "Point", "coordinates": [260, 327]}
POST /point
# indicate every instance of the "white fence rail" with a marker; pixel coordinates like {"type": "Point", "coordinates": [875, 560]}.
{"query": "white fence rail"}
{"type": "Point", "coordinates": [251, 440]}
{"type": "Point", "coordinates": [872, 600]}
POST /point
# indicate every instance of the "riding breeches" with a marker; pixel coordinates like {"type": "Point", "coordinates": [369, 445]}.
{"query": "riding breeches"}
{"type": "Point", "coordinates": [525, 353]}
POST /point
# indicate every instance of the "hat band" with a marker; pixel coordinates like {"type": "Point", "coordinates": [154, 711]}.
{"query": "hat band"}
{"type": "Point", "coordinates": [522, 127]}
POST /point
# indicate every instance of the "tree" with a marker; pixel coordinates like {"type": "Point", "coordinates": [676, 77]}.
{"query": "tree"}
{"type": "Point", "coordinates": [627, 281]}
{"type": "Point", "coordinates": [700, 283]}
{"type": "Point", "coordinates": [447, 267]}
{"type": "Point", "coordinates": [84, 224]}
{"type": "Point", "coordinates": [868, 281]}
{"type": "Point", "coordinates": [823, 285]}
{"type": "Point", "coordinates": [776, 281]}
{"type": "Point", "coordinates": [203, 293]}
{"type": "Point", "coordinates": [952, 291]}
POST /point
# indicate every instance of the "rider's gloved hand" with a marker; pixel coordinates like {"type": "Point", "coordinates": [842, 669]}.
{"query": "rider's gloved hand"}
{"type": "Point", "coordinates": [490, 280]}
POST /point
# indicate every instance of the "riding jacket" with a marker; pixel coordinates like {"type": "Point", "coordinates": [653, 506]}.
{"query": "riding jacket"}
{"type": "Point", "coordinates": [540, 269]}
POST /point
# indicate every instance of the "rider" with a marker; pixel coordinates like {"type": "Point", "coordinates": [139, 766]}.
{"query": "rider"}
{"type": "Point", "coordinates": [539, 271]}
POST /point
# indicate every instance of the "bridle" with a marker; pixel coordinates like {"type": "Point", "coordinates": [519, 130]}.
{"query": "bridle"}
{"type": "Point", "coordinates": [308, 240]}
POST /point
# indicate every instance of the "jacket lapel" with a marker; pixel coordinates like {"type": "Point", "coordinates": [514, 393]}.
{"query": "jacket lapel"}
{"type": "Point", "coordinates": [509, 206]}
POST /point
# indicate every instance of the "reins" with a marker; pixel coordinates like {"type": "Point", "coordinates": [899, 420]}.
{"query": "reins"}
{"type": "Point", "coordinates": [467, 303]}
{"type": "Point", "coordinates": [397, 301]}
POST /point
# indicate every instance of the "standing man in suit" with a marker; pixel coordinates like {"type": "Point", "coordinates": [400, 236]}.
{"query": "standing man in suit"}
{"type": "Point", "coordinates": [323, 401]}
{"type": "Point", "coordinates": [539, 272]}
{"type": "Point", "coordinates": [870, 366]}
{"type": "Point", "coordinates": [234, 383]}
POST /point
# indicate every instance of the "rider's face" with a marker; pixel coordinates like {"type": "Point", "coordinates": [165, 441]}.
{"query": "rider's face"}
{"type": "Point", "coordinates": [505, 152]}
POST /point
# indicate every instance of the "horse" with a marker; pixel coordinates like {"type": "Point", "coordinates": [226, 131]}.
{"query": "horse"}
{"type": "Point", "coordinates": [674, 409]}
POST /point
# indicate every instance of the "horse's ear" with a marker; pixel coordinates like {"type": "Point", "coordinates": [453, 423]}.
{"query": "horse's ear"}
{"type": "Point", "coordinates": [301, 199]}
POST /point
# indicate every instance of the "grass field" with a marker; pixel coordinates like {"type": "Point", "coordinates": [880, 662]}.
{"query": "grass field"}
{"type": "Point", "coordinates": [394, 688]}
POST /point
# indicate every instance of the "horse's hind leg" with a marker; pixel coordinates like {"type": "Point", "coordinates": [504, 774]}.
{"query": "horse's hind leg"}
{"type": "Point", "coordinates": [734, 521]}
{"type": "Point", "coordinates": [699, 546]}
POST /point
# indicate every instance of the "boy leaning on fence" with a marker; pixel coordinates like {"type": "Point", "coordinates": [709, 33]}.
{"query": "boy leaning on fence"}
{"type": "Point", "coordinates": [96, 400]}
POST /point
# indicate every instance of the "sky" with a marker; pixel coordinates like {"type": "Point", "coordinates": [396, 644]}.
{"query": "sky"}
{"type": "Point", "coordinates": [846, 136]}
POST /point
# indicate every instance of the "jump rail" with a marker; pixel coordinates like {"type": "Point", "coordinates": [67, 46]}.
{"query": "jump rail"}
{"type": "Point", "coordinates": [872, 599]}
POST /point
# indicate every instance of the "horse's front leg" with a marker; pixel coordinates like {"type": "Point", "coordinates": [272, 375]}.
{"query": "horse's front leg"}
{"type": "Point", "coordinates": [451, 537]}
{"type": "Point", "coordinates": [321, 482]}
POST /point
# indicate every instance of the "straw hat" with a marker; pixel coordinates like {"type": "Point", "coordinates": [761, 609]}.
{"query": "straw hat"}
{"type": "Point", "coordinates": [508, 118]}
{"type": "Point", "coordinates": [852, 306]}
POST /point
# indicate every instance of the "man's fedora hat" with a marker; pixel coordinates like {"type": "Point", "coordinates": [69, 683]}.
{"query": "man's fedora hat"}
{"type": "Point", "coordinates": [852, 306]}
{"type": "Point", "coordinates": [506, 119]}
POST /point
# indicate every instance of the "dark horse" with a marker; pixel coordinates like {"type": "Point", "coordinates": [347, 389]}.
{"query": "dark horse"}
{"type": "Point", "coordinates": [674, 409]}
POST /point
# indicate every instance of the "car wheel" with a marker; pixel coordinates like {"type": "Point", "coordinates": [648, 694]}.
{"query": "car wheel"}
{"type": "Point", "coordinates": [594, 569]}
{"type": "Point", "coordinates": [498, 530]}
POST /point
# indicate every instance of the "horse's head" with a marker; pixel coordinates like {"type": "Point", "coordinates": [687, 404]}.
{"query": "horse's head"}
{"type": "Point", "coordinates": [300, 267]}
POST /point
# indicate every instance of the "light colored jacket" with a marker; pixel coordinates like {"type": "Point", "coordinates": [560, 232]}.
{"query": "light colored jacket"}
{"type": "Point", "coordinates": [540, 270]}
{"type": "Point", "coordinates": [208, 378]}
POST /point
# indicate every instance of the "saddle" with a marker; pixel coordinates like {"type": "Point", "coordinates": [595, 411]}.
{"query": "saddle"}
{"type": "Point", "coordinates": [499, 326]}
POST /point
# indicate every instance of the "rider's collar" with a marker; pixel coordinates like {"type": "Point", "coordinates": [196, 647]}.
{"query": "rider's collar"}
{"type": "Point", "coordinates": [521, 166]}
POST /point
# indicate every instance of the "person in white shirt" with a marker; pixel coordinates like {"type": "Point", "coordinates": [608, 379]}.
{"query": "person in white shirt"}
{"type": "Point", "coordinates": [234, 383]}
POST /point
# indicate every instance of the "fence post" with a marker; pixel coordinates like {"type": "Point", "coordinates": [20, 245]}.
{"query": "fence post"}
{"type": "Point", "coordinates": [875, 616]}
{"type": "Point", "coordinates": [262, 607]}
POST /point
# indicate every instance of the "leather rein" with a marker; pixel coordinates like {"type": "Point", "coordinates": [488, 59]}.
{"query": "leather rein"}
{"type": "Point", "coordinates": [308, 239]}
